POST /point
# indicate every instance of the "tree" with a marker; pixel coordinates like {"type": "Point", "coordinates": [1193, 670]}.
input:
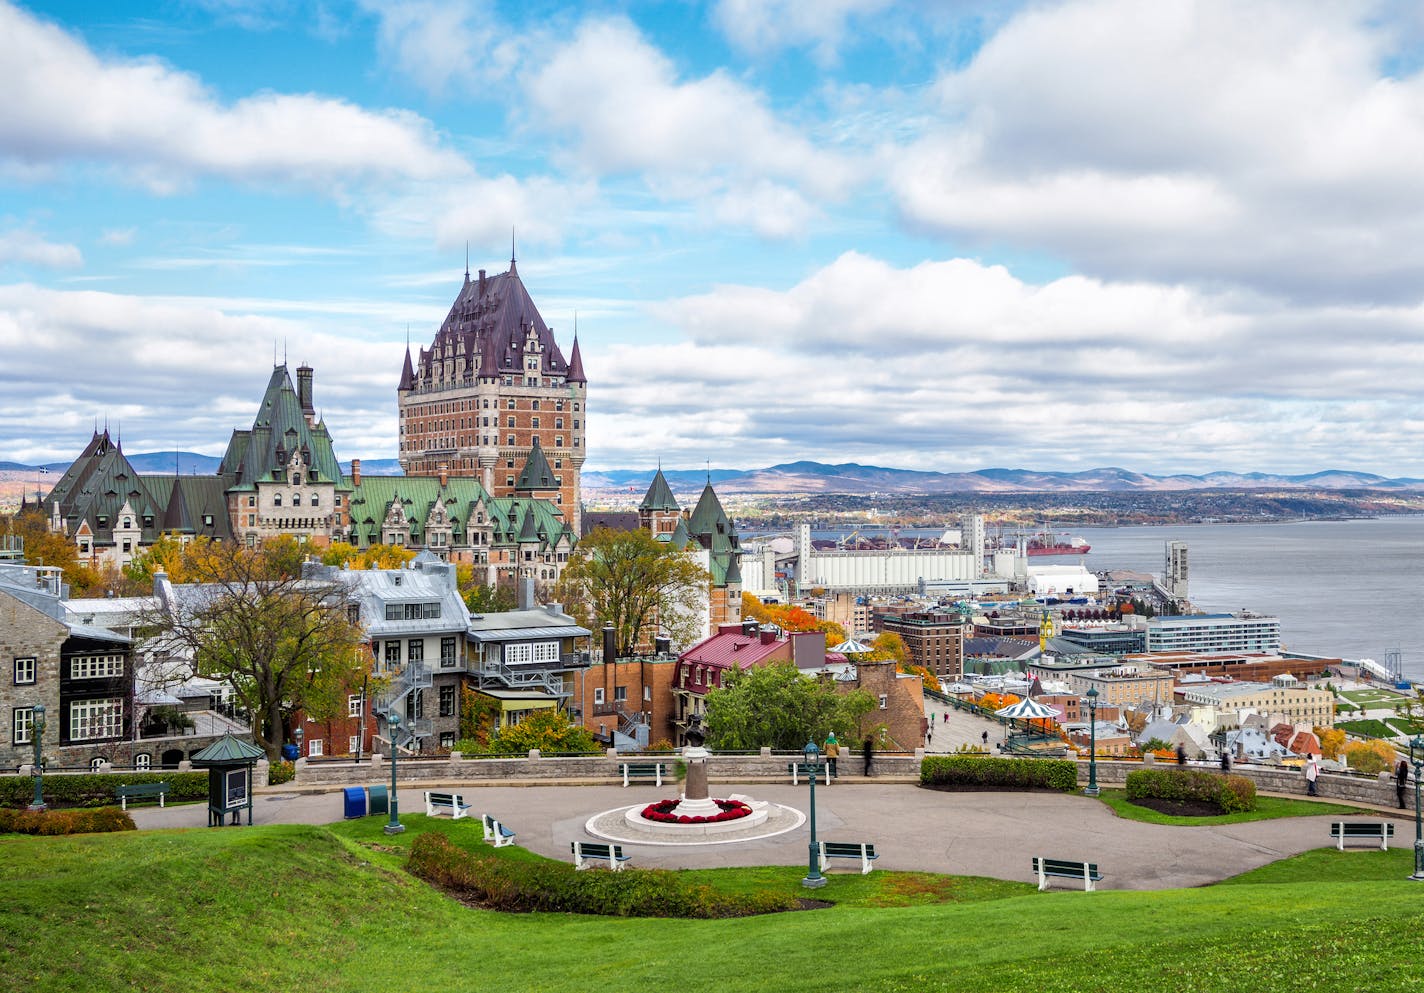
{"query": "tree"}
{"type": "Point", "coordinates": [546, 729]}
{"type": "Point", "coordinates": [1370, 757]}
{"type": "Point", "coordinates": [371, 557]}
{"type": "Point", "coordinates": [889, 645]}
{"type": "Point", "coordinates": [776, 706]}
{"type": "Point", "coordinates": [43, 547]}
{"type": "Point", "coordinates": [790, 617]}
{"type": "Point", "coordinates": [1332, 741]}
{"type": "Point", "coordinates": [283, 643]}
{"type": "Point", "coordinates": [629, 579]}
{"type": "Point", "coordinates": [481, 598]}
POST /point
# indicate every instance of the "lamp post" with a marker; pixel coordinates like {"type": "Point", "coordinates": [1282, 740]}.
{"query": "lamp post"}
{"type": "Point", "coordinates": [299, 735]}
{"type": "Point", "coordinates": [1416, 758]}
{"type": "Point", "coordinates": [814, 880]}
{"type": "Point", "coordinates": [1092, 788]}
{"type": "Point", "coordinates": [395, 826]}
{"type": "Point", "coordinates": [37, 727]}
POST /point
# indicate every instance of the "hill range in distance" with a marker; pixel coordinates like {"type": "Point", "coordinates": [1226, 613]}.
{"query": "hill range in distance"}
{"type": "Point", "coordinates": [808, 477]}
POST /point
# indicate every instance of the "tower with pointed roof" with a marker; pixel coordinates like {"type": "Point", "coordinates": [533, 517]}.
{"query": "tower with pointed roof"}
{"type": "Point", "coordinates": [491, 387]}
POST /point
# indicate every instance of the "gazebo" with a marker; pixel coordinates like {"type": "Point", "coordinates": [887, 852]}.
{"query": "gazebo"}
{"type": "Point", "coordinates": [229, 762]}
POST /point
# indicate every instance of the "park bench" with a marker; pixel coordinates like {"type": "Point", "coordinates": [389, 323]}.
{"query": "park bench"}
{"type": "Point", "coordinates": [1085, 871]}
{"type": "Point", "coordinates": [588, 852]}
{"type": "Point", "coordinates": [452, 803]}
{"type": "Point", "coordinates": [496, 833]}
{"type": "Point", "coordinates": [800, 770]}
{"type": "Point", "coordinates": [861, 851]}
{"type": "Point", "coordinates": [1371, 830]}
{"type": "Point", "coordinates": [643, 770]}
{"type": "Point", "coordinates": [140, 791]}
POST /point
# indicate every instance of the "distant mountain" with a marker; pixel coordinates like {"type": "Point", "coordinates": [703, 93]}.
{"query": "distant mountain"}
{"type": "Point", "coordinates": [852, 478]}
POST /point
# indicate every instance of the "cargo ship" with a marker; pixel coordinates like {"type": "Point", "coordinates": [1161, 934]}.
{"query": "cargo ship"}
{"type": "Point", "coordinates": [1055, 543]}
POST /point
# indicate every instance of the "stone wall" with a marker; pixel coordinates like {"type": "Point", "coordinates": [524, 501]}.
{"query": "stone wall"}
{"type": "Point", "coordinates": [537, 770]}
{"type": "Point", "coordinates": [1268, 779]}
{"type": "Point", "coordinates": [27, 633]}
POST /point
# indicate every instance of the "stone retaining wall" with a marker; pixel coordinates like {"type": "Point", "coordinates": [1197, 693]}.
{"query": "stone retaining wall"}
{"type": "Point", "coordinates": [582, 769]}
{"type": "Point", "coordinates": [1269, 779]}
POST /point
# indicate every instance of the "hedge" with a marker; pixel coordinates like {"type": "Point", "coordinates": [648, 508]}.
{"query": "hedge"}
{"type": "Point", "coordinates": [967, 772]}
{"type": "Point", "coordinates": [1230, 793]}
{"type": "Point", "coordinates": [64, 821]}
{"type": "Point", "coordinates": [507, 885]}
{"type": "Point", "coordinates": [96, 789]}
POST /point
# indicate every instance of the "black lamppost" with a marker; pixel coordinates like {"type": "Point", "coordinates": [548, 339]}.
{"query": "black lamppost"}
{"type": "Point", "coordinates": [299, 735]}
{"type": "Point", "coordinates": [1092, 787]}
{"type": "Point", "coordinates": [395, 826]}
{"type": "Point", "coordinates": [814, 879]}
{"type": "Point", "coordinates": [37, 727]}
{"type": "Point", "coordinates": [1416, 757]}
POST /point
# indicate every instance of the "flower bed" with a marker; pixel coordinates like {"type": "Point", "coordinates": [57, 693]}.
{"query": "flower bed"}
{"type": "Point", "coordinates": [729, 810]}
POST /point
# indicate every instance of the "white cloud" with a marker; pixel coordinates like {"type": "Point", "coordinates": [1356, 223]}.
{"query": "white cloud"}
{"type": "Point", "coordinates": [27, 247]}
{"type": "Point", "coordinates": [621, 102]}
{"type": "Point", "coordinates": [762, 26]}
{"type": "Point", "coordinates": [164, 127]}
{"type": "Point", "coordinates": [117, 236]}
{"type": "Point", "coordinates": [441, 44]}
{"type": "Point", "coordinates": [1250, 142]}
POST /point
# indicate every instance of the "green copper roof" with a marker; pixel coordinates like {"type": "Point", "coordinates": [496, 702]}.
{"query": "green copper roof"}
{"type": "Point", "coordinates": [659, 495]}
{"type": "Point", "coordinates": [537, 474]}
{"type": "Point", "coordinates": [511, 519]}
{"type": "Point", "coordinates": [279, 429]}
{"type": "Point", "coordinates": [228, 750]}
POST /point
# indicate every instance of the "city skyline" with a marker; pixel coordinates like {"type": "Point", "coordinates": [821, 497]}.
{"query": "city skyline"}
{"type": "Point", "coordinates": [1177, 237]}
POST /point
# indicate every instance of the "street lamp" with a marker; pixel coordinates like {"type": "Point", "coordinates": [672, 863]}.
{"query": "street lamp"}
{"type": "Point", "coordinates": [37, 727]}
{"type": "Point", "coordinates": [395, 826]}
{"type": "Point", "coordinates": [1092, 787]}
{"type": "Point", "coordinates": [1416, 757]}
{"type": "Point", "coordinates": [299, 734]}
{"type": "Point", "coordinates": [814, 879]}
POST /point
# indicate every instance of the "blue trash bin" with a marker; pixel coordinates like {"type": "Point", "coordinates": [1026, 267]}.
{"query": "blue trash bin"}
{"type": "Point", "coordinates": [355, 802]}
{"type": "Point", "coordinates": [290, 753]}
{"type": "Point", "coordinates": [379, 803]}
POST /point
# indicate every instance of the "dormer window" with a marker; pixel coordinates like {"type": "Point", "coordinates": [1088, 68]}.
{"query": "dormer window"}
{"type": "Point", "coordinates": [296, 479]}
{"type": "Point", "coordinates": [207, 520]}
{"type": "Point", "coordinates": [103, 521]}
{"type": "Point", "coordinates": [128, 523]}
{"type": "Point", "coordinates": [148, 520]}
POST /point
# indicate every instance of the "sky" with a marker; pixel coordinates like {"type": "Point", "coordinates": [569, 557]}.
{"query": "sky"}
{"type": "Point", "coordinates": [1178, 236]}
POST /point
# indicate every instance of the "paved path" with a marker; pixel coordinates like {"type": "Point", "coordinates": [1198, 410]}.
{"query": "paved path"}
{"type": "Point", "coordinates": [985, 834]}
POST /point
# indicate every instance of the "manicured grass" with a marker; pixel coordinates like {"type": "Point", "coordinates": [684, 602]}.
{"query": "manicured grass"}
{"type": "Point", "coordinates": [1372, 698]}
{"type": "Point", "coordinates": [1268, 808]}
{"type": "Point", "coordinates": [1353, 864]}
{"type": "Point", "coordinates": [295, 907]}
{"type": "Point", "coordinates": [1368, 728]}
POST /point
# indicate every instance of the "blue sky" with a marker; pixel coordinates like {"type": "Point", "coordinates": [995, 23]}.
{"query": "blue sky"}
{"type": "Point", "coordinates": [1177, 236]}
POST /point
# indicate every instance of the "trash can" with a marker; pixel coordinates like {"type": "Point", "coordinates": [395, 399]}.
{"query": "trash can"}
{"type": "Point", "coordinates": [290, 753]}
{"type": "Point", "coordinates": [355, 802]}
{"type": "Point", "coordinates": [379, 804]}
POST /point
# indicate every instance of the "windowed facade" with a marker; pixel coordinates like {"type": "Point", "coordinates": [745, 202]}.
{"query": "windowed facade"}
{"type": "Point", "coordinates": [447, 701]}
{"type": "Point", "coordinates": [447, 652]}
{"type": "Point", "coordinates": [22, 725]}
{"type": "Point", "coordinates": [527, 652]}
{"type": "Point", "coordinates": [94, 720]}
{"type": "Point", "coordinates": [24, 671]}
{"type": "Point", "coordinates": [96, 666]}
{"type": "Point", "coordinates": [415, 650]}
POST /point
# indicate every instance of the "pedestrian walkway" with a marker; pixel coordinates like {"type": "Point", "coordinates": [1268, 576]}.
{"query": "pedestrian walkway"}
{"type": "Point", "coordinates": [981, 834]}
{"type": "Point", "coordinates": [954, 728]}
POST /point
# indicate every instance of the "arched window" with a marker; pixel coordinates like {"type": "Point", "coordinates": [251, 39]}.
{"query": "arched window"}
{"type": "Point", "coordinates": [143, 760]}
{"type": "Point", "coordinates": [276, 499]}
{"type": "Point", "coordinates": [296, 499]}
{"type": "Point", "coordinates": [96, 763]}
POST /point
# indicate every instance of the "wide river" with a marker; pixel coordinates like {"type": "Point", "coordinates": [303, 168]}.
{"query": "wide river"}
{"type": "Point", "coordinates": [1343, 588]}
{"type": "Point", "coordinates": [1348, 589]}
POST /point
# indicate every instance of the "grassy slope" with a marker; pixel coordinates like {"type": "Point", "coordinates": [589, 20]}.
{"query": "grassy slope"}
{"type": "Point", "coordinates": [299, 907]}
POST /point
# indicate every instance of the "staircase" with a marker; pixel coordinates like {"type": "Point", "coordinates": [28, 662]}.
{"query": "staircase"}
{"type": "Point", "coordinates": [414, 676]}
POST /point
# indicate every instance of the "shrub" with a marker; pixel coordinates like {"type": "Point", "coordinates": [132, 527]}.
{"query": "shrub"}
{"type": "Point", "coordinates": [64, 821]}
{"type": "Point", "coordinates": [1230, 793]}
{"type": "Point", "coordinates": [969, 773]}
{"type": "Point", "coordinates": [507, 885]}
{"type": "Point", "coordinates": [97, 790]}
{"type": "Point", "coordinates": [281, 772]}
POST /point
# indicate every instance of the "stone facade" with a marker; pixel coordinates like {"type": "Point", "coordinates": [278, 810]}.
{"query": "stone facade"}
{"type": "Point", "coordinates": [27, 634]}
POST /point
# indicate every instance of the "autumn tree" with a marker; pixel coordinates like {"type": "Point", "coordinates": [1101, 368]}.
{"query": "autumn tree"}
{"type": "Point", "coordinates": [281, 642]}
{"type": "Point", "coordinates": [482, 598]}
{"type": "Point", "coordinates": [546, 729]}
{"type": "Point", "coordinates": [776, 706]}
{"type": "Point", "coordinates": [630, 580]}
{"type": "Point", "coordinates": [1332, 741]}
{"type": "Point", "coordinates": [341, 553]}
{"type": "Point", "coordinates": [791, 618]}
{"type": "Point", "coordinates": [1370, 757]}
{"type": "Point", "coordinates": [46, 548]}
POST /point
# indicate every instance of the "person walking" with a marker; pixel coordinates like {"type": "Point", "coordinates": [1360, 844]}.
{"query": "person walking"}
{"type": "Point", "coordinates": [1226, 760]}
{"type": "Point", "coordinates": [833, 752]}
{"type": "Point", "coordinates": [1312, 773]}
{"type": "Point", "coordinates": [1401, 780]}
{"type": "Point", "coordinates": [868, 752]}
{"type": "Point", "coordinates": [985, 737]}
{"type": "Point", "coordinates": [1181, 754]}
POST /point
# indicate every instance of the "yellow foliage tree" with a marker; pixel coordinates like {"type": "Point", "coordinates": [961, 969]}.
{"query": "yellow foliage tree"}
{"type": "Point", "coordinates": [1332, 740]}
{"type": "Point", "coordinates": [1370, 757]}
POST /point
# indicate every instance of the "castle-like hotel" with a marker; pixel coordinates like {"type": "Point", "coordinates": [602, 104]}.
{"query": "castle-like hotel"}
{"type": "Point", "coordinates": [492, 443]}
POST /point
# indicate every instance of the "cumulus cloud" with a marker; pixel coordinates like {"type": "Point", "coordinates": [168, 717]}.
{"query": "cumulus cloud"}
{"type": "Point", "coordinates": [761, 26]}
{"type": "Point", "coordinates": [621, 102]}
{"type": "Point", "coordinates": [28, 248]}
{"type": "Point", "coordinates": [1254, 143]}
{"type": "Point", "coordinates": [164, 127]}
{"type": "Point", "coordinates": [440, 45]}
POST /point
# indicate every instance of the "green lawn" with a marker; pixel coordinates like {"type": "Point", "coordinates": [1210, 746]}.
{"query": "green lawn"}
{"type": "Point", "coordinates": [1373, 698]}
{"type": "Point", "coordinates": [326, 909]}
{"type": "Point", "coordinates": [1268, 808]}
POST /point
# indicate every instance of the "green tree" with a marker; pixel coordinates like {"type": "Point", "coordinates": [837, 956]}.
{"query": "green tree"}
{"type": "Point", "coordinates": [546, 729]}
{"type": "Point", "coordinates": [283, 643]}
{"type": "Point", "coordinates": [776, 706]}
{"type": "Point", "coordinates": [482, 598]}
{"type": "Point", "coordinates": [629, 579]}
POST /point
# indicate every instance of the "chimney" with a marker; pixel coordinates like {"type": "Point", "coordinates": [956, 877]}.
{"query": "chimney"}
{"type": "Point", "coordinates": [749, 627]}
{"type": "Point", "coordinates": [304, 391]}
{"type": "Point", "coordinates": [662, 645]}
{"type": "Point", "coordinates": [355, 472]}
{"type": "Point", "coordinates": [526, 583]}
{"type": "Point", "coordinates": [444, 473]}
{"type": "Point", "coordinates": [482, 284]}
{"type": "Point", "coordinates": [610, 644]}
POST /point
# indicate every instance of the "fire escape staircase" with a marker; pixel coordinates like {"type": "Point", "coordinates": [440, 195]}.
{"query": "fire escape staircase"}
{"type": "Point", "coordinates": [414, 676]}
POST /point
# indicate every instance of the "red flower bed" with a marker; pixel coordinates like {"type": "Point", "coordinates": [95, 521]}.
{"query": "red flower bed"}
{"type": "Point", "coordinates": [730, 810]}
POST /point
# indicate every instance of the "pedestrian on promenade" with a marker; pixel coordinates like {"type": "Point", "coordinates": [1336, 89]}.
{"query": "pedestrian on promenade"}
{"type": "Point", "coordinates": [986, 739]}
{"type": "Point", "coordinates": [868, 751]}
{"type": "Point", "coordinates": [1401, 780]}
{"type": "Point", "coordinates": [833, 752]}
{"type": "Point", "coordinates": [1312, 773]}
{"type": "Point", "coordinates": [1226, 760]}
{"type": "Point", "coordinates": [1181, 754]}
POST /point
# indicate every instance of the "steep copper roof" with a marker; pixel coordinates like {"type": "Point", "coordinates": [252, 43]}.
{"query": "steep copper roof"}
{"type": "Point", "coordinates": [536, 474]}
{"type": "Point", "coordinates": [659, 495]}
{"type": "Point", "coordinates": [576, 365]}
{"type": "Point", "coordinates": [485, 333]}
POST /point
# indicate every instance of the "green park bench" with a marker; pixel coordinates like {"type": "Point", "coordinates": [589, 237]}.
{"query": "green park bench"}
{"type": "Point", "coordinates": [804, 770]}
{"type": "Point", "coordinates": [586, 853]}
{"type": "Point", "coordinates": [140, 791]}
{"type": "Point", "coordinates": [643, 770]}
{"type": "Point", "coordinates": [1087, 872]}
{"type": "Point", "coordinates": [861, 851]}
{"type": "Point", "coordinates": [1369, 830]}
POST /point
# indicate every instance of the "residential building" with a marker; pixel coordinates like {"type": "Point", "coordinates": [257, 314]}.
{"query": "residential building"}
{"type": "Point", "coordinates": [704, 666]}
{"type": "Point", "coordinates": [491, 384]}
{"type": "Point", "coordinates": [1240, 632]}
{"type": "Point", "coordinates": [1283, 698]}
{"type": "Point", "coordinates": [1125, 686]}
{"type": "Point", "coordinates": [627, 701]}
{"type": "Point", "coordinates": [529, 659]}
{"type": "Point", "coordinates": [934, 639]}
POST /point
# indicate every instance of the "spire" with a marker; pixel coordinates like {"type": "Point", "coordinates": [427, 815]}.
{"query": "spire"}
{"type": "Point", "coordinates": [536, 475]}
{"type": "Point", "coordinates": [407, 380]}
{"type": "Point", "coordinates": [467, 276]}
{"type": "Point", "coordinates": [575, 374]}
{"type": "Point", "coordinates": [659, 495]}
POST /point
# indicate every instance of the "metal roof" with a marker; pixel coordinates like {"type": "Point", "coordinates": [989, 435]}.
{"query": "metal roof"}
{"type": "Point", "coordinates": [523, 634]}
